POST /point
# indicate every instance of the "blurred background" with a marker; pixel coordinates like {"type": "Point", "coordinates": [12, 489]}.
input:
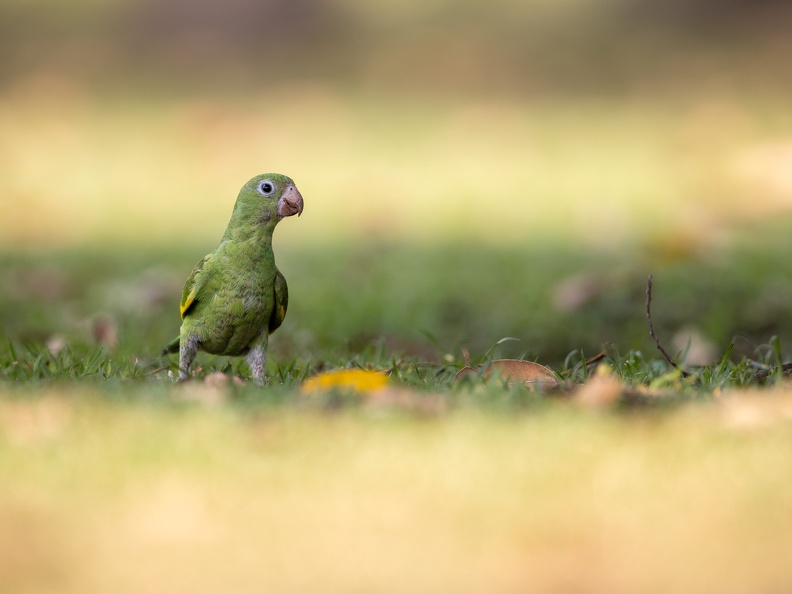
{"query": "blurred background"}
{"type": "Point", "coordinates": [471, 169]}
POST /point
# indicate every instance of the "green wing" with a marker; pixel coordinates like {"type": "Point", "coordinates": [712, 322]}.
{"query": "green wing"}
{"type": "Point", "coordinates": [191, 288]}
{"type": "Point", "coordinates": [281, 302]}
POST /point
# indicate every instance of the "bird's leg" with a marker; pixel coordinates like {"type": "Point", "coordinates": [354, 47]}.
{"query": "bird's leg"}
{"type": "Point", "coordinates": [257, 357]}
{"type": "Point", "coordinates": [187, 351]}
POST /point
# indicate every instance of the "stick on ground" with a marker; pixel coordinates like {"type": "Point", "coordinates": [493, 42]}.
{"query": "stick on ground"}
{"type": "Point", "coordinates": [786, 369]}
{"type": "Point", "coordinates": [652, 331]}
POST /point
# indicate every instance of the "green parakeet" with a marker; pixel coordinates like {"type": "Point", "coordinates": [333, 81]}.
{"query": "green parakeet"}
{"type": "Point", "coordinates": [236, 297]}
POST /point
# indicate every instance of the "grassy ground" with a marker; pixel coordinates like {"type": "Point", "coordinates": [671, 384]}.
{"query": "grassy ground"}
{"type": "Point", "coordinates": [114, 478]}
{"type": "Point", "coordinates": [88, 314]}
{"type": "Point", "coordinates": [433, 230]}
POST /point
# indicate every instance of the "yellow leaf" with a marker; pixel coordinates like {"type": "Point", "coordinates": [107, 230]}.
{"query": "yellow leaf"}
{"type": "Point", "coordinates": [362, 381]}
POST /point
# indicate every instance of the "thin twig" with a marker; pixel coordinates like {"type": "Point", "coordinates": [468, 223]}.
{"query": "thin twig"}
{"type": "Point", "coordinates": [652, 331]}
{"type": "Point", "coordinates": [786, 369]}
{"type": "Point", "coordinates": [595, 359]}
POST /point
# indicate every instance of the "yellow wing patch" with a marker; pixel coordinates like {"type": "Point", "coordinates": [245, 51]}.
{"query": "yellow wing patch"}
{"type": "Point", "coordinates": [185, 305]}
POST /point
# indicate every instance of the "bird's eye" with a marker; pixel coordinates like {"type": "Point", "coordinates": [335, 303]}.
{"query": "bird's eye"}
{"type": "Point", "coordinates": [266, 187]}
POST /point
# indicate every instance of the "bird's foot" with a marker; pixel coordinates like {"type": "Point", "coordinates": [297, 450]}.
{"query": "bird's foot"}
{"type": "Point", "coordinates": [181, 378]}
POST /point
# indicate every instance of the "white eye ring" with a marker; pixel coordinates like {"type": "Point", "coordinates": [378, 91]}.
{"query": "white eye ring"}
{"type": "Point", "coordinates": [266, 188]}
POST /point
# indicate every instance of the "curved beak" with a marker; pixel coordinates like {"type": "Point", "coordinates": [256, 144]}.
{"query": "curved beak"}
{"type": "Point", "coordinates": [290, 203]}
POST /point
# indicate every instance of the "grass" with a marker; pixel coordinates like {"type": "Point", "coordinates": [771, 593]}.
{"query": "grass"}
{"type": "Point", "coordinates": [432, 232]}
{"type": "Point", "coordinates": [89, 315]}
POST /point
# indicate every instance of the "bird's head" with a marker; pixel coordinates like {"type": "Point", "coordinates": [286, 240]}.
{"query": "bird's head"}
{"type": "Point", "coordinates": [266, 199]}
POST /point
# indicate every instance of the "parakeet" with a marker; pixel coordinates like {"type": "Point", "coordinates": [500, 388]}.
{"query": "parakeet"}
{"type": "Point", "coordinates": [236, 297]}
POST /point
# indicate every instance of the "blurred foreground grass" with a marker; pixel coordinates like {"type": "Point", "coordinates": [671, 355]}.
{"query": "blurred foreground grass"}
{"type": "Point", "coordinates": [134, 496]}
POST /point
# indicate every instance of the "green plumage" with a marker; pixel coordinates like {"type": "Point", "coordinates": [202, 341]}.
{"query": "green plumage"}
{"type": "Point", "coordinates": [235, 297]}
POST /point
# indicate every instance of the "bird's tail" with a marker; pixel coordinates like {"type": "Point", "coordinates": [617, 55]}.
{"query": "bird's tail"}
{"type": "Point", "coordinates": [171, 347]}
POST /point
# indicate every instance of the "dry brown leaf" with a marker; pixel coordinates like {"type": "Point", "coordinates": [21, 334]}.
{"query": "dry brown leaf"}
{"type": "Point", "coordinates": [515, 371]}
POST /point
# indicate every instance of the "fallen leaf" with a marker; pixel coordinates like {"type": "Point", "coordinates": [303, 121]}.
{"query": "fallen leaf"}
{"type": "Point", "coordinates": [361, 381]}
{"type": "Point", "coordinates": [514, 371]}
